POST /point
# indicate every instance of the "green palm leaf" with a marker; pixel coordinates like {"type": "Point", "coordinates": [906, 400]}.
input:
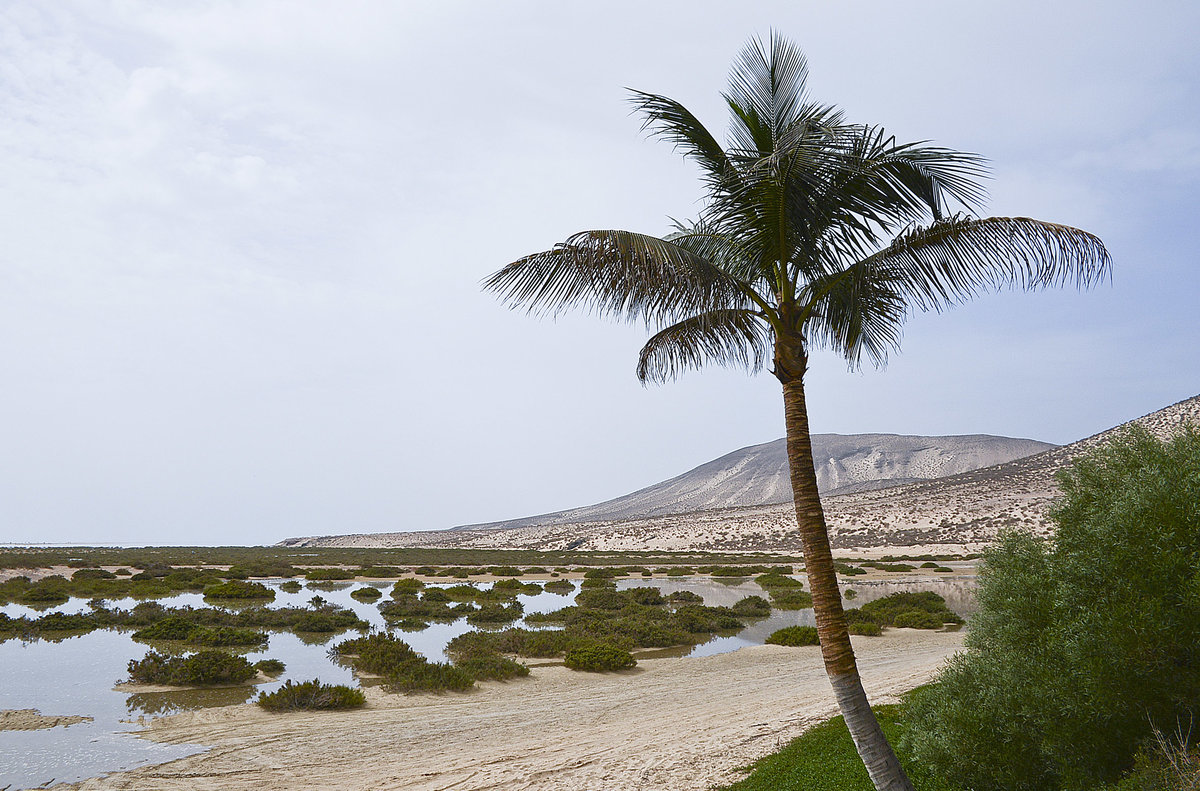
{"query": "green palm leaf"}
{"type": "Point", "coordinates": [734, 338]}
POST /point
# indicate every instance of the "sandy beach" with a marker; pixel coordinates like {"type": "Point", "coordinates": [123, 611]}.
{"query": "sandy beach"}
{"type": "Point", "coordinates": [671, 723]}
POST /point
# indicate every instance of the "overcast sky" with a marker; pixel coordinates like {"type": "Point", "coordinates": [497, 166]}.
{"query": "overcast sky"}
{"type": "Point", "coordinates": [241, 247]}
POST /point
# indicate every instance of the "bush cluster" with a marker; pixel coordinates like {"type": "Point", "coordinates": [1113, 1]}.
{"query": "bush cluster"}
{"type": "Point", "coordinates": [311, 695]}
{"type": "Point", "coordinates": [599, 658]}
{"type": "Point", "coordinates": [238, 589]}
{"type": "Point", "coordinates": [205, 668]}
{"type": "Point", "coordinates": [794, 636]}
{"type": "Point", "coordinates": [403, 668]}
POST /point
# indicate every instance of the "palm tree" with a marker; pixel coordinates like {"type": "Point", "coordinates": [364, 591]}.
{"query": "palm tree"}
{"type": "Point", "coordinates": [816, 233]}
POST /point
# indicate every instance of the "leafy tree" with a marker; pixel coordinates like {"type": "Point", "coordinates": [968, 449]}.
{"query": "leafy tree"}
{"type": "Point", "coordinates": [808, 239]}
{"type": "Point", "coordinates": [1083, 646]}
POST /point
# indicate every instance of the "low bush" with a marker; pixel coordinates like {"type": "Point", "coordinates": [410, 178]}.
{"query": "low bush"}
{"type": "Point", "coordinates": [561, 587]}
{"type": "Point", "coordinates": [599, 658]}
{"type": "Point", "coordinates": [407, 585]}
{"type": "Point", "coordinates": [917, 619]}
{"type": "Point", "coordinates": [225, 636]}
{"type": "Point", "coordinates": [404, 669]}
{"type": "Point", "coordinates": [645, 595]}
{"type": "Point", "coordinates": [886, 610]}
{"type": "Point", "coordinates": [270, 667]}
{"type": "Point", "coordinates": [311, 695]}
{"type": "Point", "coordinates": [793, 636]}
{"type": "Point", "coordinates": [492, 667]}
{"type": "Point", "coordinates": [850, 594]}
{"type": "Point", "coordinates": [380, 572]}
{"type": "Point", "coordinates": [790, 598]}
{"type": "Point", "coordinates": [205, 668]}
{"type": "Point", "coordinates": [491, 613]}
{"type": "Point", "coordinates": [505, 571]}
{"type": "Point", "coordinates": [92, 574]}
{"type": "Point", "coordinates": [172, 628]}
{"type": "Point", "coordinates": [366, 593]}
{"type": "Point", "coordinates": [238, 589]}
{"type": "Point", "coordinates": [752, 607]}
{"type": "Point", "coordinates": [291, 586]}
{"type": "Point", "coordinates": [329, 575]}
{"type": "Point", "coordinates": [685, 597]}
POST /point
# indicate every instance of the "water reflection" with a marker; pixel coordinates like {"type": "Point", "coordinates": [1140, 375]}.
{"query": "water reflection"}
{"type": "Point", "coordinates": [177, 700]}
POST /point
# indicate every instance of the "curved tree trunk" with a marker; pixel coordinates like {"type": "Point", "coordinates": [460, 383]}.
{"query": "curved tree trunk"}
{"type": "Point", "coordinates": [885, 771]}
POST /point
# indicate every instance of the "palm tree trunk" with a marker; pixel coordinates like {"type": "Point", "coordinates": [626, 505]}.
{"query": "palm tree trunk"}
{"type": "Point", "coordinates": [885, 771]}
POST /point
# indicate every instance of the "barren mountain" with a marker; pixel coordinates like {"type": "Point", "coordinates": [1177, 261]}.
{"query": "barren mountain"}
{"type": "Point", "coordinates": [758, 475]}
{"type": "Point", "coordinates": [953, 513]}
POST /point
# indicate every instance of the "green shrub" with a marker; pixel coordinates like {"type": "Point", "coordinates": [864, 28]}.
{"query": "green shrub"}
{"type": "Point", "coordinates": [238, 589]}
{"type": "Point", "coordinates": [407, 585]}
{"type": "Point", "coordinates": [495, 613]}
{"type": "Point", "coordinates": [561, 587]}
{"type": "Point", "coordinates": [291, 586]}
{"type": "Point", "coordinates": [790, 598]}
{"type": "Point", "coordinates": [367, 593]}
{"type": "Point", "coordinates": [270, 667]}
{"type": "Point", "coordinates": [774, 579]}
{"type": "Point", "coordinates": [646, 595]}
{"type": "Point", "coordinates": [850, 594]}
{"type": "Point", "coordinates": [886, 610]}
{"type": "Point", "coordinates": [929, 564]}
{"type": "Point", "coordinates": [600, 599]}
{"type": "Point", "coordinates": [599, 574]}
{"type": "Point", "coordinates": [794, 636]}
{"type": "Point", "coordinates": [752, 607]}
{"type": "Point", "coordinates": [505, 571]}
{"type": "Point", "coordinates": [404, 669]}
{"type": "Point", "coordinates": [492, 667]}
{"type": "Point", "coordinates": [685, 597]}
{"type": "Point", "coordinates": [380, 572]}
{"type": "Point", "coordinates": [205, 668]}
{"type": "Point", "coordinates": [92, 574]}
{"type": "Point", "coordinates": [1079, 645]}
{"type": "Point", "coordinates": [224, 636]}
{"type": "Point", "coordinates": [311, 695]}
{"type": "Point", "coordinates": [917, 619]}
{"type": "Point", "coordinates": [329, 575]}
{"type": "Point", "coordinates": [599, 659]}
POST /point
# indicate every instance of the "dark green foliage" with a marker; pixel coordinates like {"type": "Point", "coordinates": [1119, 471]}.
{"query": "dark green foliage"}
{"type": "Point", "coordinates": [644, 595]}
{"type": "Point", "coordinates": [510, 588]}
{"type": "Point", "coordinates": [238, 589]}
{"type": "Point", "coordinates": [1078, 647]}
{"type": "Point", "coordinates": [367, 593]}
{"type": "Point", "coordinates": [599, 574]}
{"type": "Point", "coordinates": [380, 572]}
{"type": "Point", "coordinates": [92, 574]}
{"type": "Point", "coordinates": [404, 669]}
{"type": "Point", "coordinates": [824, 759]}
{"type": "Point", "coordinates": [790, 598]}
{"type": "Point", "coordinates": [291, 586]}
{"type": "Point", "coordinates": [407, 585]}
{"type": "Point", "coordinates": [270, 667]}
{"type": "Point", "coordinates": [311, 695]}
{"type": "Point", "coordinates": [505, 571]}
{"type": "Point", "coordinates": [846, 570]}
{"type": "Point", "coordinates": [601, 599]}
{"type": "Point", "coordinates": [917, 619]}
{"type": "Point", "coordinates": [204, 668]}
{"type": "Point", "coordinates": [435, 596]}
{"type": "Point", "coordinates": [491, 667]}
{"type": "Point", "coordinates": [929, 564]}
{"type": "Point", "coordinates": [921, 607]}
{"type": "Point", "coordinates": [752, 607]}
{"type": "Point", "coordinates": [225, 636]}
{"type": "Point", "coordinates": [599, 659]}
{"type": "Point", "coordinates": [329, 575]}
{"type": "Point", "coordinates": [850, 593]}
{"type": "Point", "coordinates": [491, 613]}
{"type": "Point", "coordinates": [597, 582]}
{"type": "Point", "coordinates": [685, 597]}
{"type": "Point", "coordinates": [774, 579]}
{"type": "Point", "coordinates": [561, 587]}
{"type": "Point", "coordinates": [794, 636]}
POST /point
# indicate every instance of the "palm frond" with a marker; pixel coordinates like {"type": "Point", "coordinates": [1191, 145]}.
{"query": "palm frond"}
{"type": "Point", "coordinates": [767, 88]}
{"type": "Point", "coordinates": [617, 274]}
{"type": "Point", "coordinates": [734, 338]}
{"type": "Point", "coordinates": [951, 261]}
{"type": "Point", "coordinates": [854, 312]}
{"type": "Point", "coordinates": [670, 120]}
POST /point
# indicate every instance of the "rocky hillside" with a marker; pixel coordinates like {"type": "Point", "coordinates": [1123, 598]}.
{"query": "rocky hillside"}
{"type": "Point", "coordinates": [963, 511]}
{"type": "Point", "coordinates": [758, 475]}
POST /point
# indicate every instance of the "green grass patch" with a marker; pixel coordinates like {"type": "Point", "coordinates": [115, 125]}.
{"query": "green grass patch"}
{"type": "Point", "coordinates": [824, 759]}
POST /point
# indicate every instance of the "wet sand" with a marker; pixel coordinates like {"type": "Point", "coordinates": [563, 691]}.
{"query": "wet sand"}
{"type": "Point", "coordinates": [670, 723]}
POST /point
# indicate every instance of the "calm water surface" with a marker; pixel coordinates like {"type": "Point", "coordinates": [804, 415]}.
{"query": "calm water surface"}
{"type": "Point", "coordinates": [76, 675]}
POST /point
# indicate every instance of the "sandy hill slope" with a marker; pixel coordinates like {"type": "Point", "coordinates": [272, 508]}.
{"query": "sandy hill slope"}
{"type": "Point", "coordinates": [758, 475]}
{"type": "Point", "coordinates": [952, 513]}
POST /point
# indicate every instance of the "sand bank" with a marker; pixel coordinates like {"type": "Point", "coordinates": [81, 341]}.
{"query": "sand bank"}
{"type": "Point", "coordinates": [34, 720]}
{"type": "Point", "coordinates": [671, 723]}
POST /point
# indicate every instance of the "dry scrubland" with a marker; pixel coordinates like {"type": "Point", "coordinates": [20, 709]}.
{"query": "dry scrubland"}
{"type": "Point", "coordinates": [680, 724]}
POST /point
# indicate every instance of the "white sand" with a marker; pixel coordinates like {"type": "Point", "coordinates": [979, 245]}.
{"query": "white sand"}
{"type": "Point", "coordinates": [672, 723]}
